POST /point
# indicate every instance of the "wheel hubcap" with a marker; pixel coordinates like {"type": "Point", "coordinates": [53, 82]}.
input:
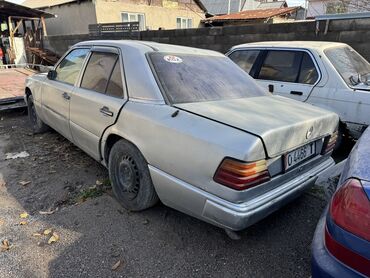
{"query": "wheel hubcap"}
{"type": "Point", "coordinates": [128, 177]}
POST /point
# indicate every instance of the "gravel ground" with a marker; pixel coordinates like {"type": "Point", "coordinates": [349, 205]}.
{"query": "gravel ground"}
{"type": "Point", "coordinates": [95, 233]}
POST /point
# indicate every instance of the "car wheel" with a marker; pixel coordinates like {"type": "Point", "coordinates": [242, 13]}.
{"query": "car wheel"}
{"type": "Point", "coordinates": [130, 177]}
{"type": "Point", "coordinates": [38, 126]}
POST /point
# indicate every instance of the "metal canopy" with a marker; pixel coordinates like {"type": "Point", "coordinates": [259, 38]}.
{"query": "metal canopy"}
{"type": "Point", "coordinates": [343, 16]}
{"type": "Point", "coordinates": [8, 9]}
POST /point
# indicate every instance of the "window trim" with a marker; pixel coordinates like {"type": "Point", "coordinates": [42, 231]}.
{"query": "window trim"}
{"type": "Point", "coordinates": [110, 49]}
{"type": "Point", "coordinates": [187, 22]}
{"type": "Point", "coordinates": [134, 13]}
{"type": "Point", "coordinates": [265, 49]}
{"type": "Point", "coordinates": [88, 48]}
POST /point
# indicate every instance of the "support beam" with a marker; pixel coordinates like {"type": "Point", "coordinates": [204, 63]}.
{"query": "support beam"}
{"type": "Point", "coordinates": [44, 26]}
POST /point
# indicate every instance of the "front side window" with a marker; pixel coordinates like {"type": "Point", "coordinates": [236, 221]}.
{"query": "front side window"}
{"type": "Point", "coordinates": [69, 68]}
{"type": "Point", "coordinates": [134, 17]}
{"type": "Point", "coordinates": [353, 68]}
{"type": "Point", "coordinates": [245, 58]}
{"type": "Point", "coordinates": [189, 78]}
{"type": "Point", "coordinates": [184, 23]}
{"type": "Point", "coordinates": [280, 66]}
{"type": "Point", "coordinates": [98, 71]}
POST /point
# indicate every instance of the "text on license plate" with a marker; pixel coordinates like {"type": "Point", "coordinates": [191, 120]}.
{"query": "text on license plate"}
{"type": "Point", "coordinates": [298, 155]}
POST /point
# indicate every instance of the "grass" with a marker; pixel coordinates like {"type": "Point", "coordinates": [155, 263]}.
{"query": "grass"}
{"type": "Point", "coordinates": [94, 191]}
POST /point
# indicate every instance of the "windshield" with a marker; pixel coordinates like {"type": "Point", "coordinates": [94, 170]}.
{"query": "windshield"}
{"type": "Point", "coordinates": [195, 78]}
{"type": "Point", "coordinates": [353, 68]}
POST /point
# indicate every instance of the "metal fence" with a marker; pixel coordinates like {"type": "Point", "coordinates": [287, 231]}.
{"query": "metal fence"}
{"type": "Point", "coordinates": [129, 29]}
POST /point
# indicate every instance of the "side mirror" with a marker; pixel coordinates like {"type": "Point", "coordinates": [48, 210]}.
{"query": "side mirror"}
{"type": "Point", "coordinates": [52, 74]}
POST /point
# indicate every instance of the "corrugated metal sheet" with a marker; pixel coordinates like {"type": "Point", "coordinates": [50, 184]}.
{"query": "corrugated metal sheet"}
{"type": "Point", "coordinates": [220, 7]}
{"type": "Point", "coordinates": [252, 14]}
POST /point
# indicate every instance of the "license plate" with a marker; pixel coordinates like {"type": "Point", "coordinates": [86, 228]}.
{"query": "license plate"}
{"type": "Point", "coordinates": [298, 155]}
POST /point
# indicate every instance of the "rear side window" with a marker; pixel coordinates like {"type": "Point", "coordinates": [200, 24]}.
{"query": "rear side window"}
{"type": "Point", "coordinates": [281, 66]}
{"type": "Point", "coordinates": [69, 68]}
{"type": "Point", "coordinates": [115, 85]}
{"type": "Point", "coordinates": [245, 58]}
{"type": "Point", "coordinates": [98, 71]}
{"type": "Point", "coordinates": [308, 73]}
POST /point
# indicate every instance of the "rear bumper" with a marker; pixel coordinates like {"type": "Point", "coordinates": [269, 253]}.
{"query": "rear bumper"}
{"type": "Point", "coordinates": [189, 199]}
{"type": "Point", "coordinates": [323, 264]}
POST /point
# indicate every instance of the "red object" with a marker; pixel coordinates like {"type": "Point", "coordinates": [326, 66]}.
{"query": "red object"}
{"type": "Point", "coordinates": [1, 53]}
{"type": "Point", "coordinates": [330, 142]}
{"type": "Point", "coordinates": [347, 256]}
{"type": "Point", "coordinates": [253, 14]}
{"type": "Point", "coordinates": [350, 209]}
{"type": "Point", "coordinates": [240, 175]}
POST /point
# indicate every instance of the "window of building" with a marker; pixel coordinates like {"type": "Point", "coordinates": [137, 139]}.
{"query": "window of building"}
{"type": "Point", "coordinates": [184, 23]}
{"type": "Point", "coordinates": [134, 17]}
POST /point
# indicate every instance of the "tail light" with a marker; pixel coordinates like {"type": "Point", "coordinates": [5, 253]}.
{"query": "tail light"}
{"type": "Point", "coordinates": [330, 143]}
{"type": "Point", "coordinates": [240, 175]}
{"type": "Point", "coordinates": [350, 210]}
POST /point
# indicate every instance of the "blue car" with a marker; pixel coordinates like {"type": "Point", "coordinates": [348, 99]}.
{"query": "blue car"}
{"type": "Point", "coordinates": [341, 244]}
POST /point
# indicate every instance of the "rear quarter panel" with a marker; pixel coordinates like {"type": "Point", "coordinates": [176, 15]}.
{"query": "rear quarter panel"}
{"type": "Point", "coordinates": [187, 146]}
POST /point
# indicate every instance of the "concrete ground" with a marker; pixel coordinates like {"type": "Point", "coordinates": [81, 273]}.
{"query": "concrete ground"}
{"type": "Point", "coordinates": [65, 192]}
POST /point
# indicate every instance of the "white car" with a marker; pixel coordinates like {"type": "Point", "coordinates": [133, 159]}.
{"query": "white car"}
{"type": "Point", "coordinates": [326, 74]}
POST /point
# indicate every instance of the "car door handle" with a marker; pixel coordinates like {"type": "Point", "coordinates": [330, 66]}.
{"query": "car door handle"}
{"type": "Point", "coordinates": [296, 93]}
{"type": "Point", "coordinates": [66, 96]}
{"type": "Point", "coordinates": [271, 88]}
{"type": "Point", "coordinates": [105, 111]}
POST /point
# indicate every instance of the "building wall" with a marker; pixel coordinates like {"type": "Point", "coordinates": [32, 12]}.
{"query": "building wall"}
{"type": "Point", "coordinates": [319, 7]}
{"type": "Point", "coordinates": [316, 8]}
{"type": "Point", "coordinates": [71, 18]}
{"type": "Point", "coordinates": [160, 14]}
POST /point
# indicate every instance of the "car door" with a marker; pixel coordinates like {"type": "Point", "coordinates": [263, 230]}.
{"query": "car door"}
{"type": "Point", "coordinates": [56, 93]}
{"type": "Point", "coordinates": [289, 73]}
{"type": "Point", "coordinates": [98, 98]}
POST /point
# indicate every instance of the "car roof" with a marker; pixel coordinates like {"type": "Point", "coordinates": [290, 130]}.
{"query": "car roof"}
{"type": "Point", "coordinates": [317, 45]}
{"type": "Point", "coordinates": [140, 80]}
{"type": "Point", "coordinates": [149, 46]}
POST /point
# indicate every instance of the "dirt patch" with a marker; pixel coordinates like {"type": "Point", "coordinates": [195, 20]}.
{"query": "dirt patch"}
{"type": "Point", "coordinates": [95, 233]}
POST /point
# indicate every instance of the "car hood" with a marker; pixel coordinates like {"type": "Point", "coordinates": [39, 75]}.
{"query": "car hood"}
{"type": "Point", "coordinates": [282, 124]}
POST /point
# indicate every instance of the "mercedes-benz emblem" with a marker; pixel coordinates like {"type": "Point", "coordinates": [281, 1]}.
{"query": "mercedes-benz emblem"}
{"type": "Point", "coordinates": [309, 132]}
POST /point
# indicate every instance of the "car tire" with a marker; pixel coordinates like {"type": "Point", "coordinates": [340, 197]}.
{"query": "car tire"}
{"type": "Point", "coordinates": [130, 177]}
{"type": "Point", "coordinates": [38, 126]}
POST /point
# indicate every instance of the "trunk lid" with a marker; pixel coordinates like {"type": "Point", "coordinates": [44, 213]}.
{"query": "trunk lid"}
{"type": "Point", "coordinates": [282, 124]}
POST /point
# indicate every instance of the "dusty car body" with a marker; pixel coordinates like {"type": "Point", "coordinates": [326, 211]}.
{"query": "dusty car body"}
{"type": "Point", "coordinates": [341, 245]}
{"type": "Point", "coordinates": [326, 74]}
{"type": "Point", "coordinates": [186, 126]}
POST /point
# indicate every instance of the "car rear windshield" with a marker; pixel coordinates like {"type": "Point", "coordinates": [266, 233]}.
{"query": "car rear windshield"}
{"type": "Point", "coordinates": [196, 78]}
{"type": "Point", "coordinates": [349, 64]}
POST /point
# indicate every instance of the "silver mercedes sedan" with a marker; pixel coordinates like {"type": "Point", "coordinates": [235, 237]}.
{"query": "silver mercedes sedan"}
{"type": "Point", "coordinates": [185, 126]}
